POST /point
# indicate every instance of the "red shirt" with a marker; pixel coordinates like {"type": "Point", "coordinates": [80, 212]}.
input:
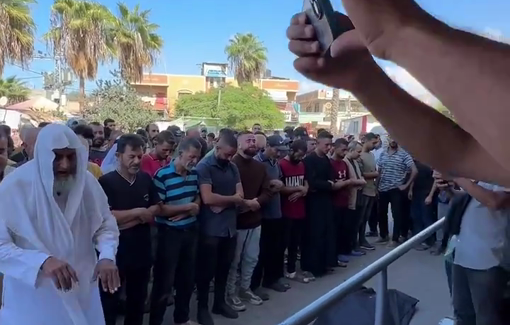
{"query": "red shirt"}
{"type": "Point", "coordinates": [293, 175]}
{"type": "Point", "coordinates": [151, 164]}
{"type": "Point", "coordinates": [341, 172]}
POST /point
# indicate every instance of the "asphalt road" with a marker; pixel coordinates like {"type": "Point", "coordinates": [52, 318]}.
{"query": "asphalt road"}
{"type": "Point", "coordinates": [417, 274]}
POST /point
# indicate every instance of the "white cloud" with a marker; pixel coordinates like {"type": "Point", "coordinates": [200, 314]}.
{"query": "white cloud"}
{"type": "Point", "coordinates": [405, 80]}
{"type": "Point", "coordinates": [495, 34]}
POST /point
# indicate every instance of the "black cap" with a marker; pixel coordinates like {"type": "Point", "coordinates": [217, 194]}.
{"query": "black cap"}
{"type": "Point", "coordinates": [276, 141]}
{"type": "Point", "coordinates": [300, 132]}
{"type": "Point", "coordinates": [176, 131]}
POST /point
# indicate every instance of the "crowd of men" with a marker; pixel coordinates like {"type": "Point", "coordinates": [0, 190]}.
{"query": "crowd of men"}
{"type": "Point", "coordinates": [235, 211]}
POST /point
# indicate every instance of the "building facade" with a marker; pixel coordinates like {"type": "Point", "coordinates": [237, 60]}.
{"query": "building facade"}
{"type": "Point", "coordinates": [162, 91]}
{"type": "Point", "coordinates": [361, 124]}
{"type": "Point", "coordinates": [315, 108]}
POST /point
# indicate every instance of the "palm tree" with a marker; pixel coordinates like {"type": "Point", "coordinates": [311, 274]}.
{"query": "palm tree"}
{"type": "Point", "coordinates": [15, 90]}
{"type": "Point", "coordinates": [80, 35]}
{"type": "Point", "coordinates": [335, 107]}
{"type": "Point", "coordinates": [17, 29]}
{"type": "Point", "coordinates": [137, 45]}
{"type": "Point", "coordinates": [247, 56]}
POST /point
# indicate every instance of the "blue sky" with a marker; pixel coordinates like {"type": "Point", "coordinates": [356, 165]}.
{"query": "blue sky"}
{"type": "Point", "coordinates": [196, 31]}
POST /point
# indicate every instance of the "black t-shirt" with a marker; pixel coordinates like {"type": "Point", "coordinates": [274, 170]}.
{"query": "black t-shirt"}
{"type": "Point", "coordinates": [134, 243]}
{"type": "Point", "coordinates": [423, 182]}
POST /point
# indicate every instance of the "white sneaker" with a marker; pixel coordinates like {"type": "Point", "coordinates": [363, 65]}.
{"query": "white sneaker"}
{"type": "Point", "coordinates": [249, 296]}
{"type": "Point", "coordinates": [235, 303]}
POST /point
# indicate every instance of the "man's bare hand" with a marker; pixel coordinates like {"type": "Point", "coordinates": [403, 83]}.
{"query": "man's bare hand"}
{"type": "Point", "coordinates": [145, 215]}
{"type": "Point", "coordinates": [350, 63]}
{"type": "Point", "coordinates": [275, 185]}
{"type": "Point", "coordinates": [379, 21]}
{"type": "Point", "coordinates": [216, 209]}
{"type": "Point", "coordinates": [178, 217]}
{"type": "Point", "coordinates": [194, 209]}
{"type": "Point", "coordinates": [253, 205]}
{"type": "Point", "coordinates": [106, 271]}
{"type": "Point", "coordinates": [62, 273]}
{"type": "Point", "coordinates": [238, 199]}
{"type": "Point", "coordinates": [295, 196]}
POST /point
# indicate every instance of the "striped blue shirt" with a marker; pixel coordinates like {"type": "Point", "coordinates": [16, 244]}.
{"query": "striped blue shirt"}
{"type": "Point", "coordinates": [175, 189]}
{"type": "Point", "coordinates": [393, 168]}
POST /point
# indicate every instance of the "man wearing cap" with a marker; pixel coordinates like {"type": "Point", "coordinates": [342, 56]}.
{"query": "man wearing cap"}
{"type": "Point", "coordinates": [272, 245]}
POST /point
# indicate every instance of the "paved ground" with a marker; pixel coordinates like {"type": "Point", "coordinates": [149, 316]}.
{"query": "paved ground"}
{"type": "Point", "coordinates": [417, 274]}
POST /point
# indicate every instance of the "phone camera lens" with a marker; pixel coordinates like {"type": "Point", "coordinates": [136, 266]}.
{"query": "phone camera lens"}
{"type": "Point", "coordinates": [316, 7]}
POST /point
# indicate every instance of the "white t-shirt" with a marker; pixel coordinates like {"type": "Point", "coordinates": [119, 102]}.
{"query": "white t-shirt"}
{"type": "Point", "coordinates": [483, 241]}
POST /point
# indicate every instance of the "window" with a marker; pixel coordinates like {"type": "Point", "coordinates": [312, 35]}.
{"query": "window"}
{"type": "Point", "coordinates": [317, 108]}
{"type": "Point", "coordinates": [183, 93]}
{"type": "Point", "coordinates": [355, 127]}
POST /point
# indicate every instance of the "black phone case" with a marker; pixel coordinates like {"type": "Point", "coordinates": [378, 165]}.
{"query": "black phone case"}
{"type": "Point", "coordinates": [322, 16]}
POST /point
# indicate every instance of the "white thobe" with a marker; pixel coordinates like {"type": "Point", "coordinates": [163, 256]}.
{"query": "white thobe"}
{"type": "Point", "coordinates": [31, 298]}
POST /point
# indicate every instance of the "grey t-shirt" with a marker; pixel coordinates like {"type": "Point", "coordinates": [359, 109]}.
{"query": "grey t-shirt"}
{"type": "Point", "coordinates": [484, 238]}
{"type": "Point", "coordinates": [367, 165]}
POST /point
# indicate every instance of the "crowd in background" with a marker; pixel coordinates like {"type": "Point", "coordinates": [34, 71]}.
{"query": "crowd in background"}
{"type": "Point", "coordinates": [243, 212]}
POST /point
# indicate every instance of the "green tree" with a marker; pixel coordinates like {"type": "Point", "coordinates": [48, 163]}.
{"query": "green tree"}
{"type": "Point", "coordinates": [117, 100]}
{"type": "Point", "coordinates": [80, 33]}
{"type": "Point", "coordinates": [137, 45]}
{"type": "Point", "coordinates": [15, 90]}
{"type": "Point", "coordinates": [247, 56]}
{"type": "Point", "coordinates": [237, 107]}
{"type": "Point", "coordinates": [17, 32]}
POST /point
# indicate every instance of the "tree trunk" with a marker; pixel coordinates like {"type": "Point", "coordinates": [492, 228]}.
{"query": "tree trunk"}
{"type": "Point", "coordinates": [82, 96]}
{"type": "Point", "coordinates": [334, 111]}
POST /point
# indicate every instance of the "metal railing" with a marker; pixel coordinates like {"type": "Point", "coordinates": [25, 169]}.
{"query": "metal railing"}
{"type": "Point", "coordinates": [308, 314]}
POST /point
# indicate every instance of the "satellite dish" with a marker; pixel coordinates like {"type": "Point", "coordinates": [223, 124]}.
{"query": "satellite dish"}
{"type": "Point", "coordinates": [3, 101]}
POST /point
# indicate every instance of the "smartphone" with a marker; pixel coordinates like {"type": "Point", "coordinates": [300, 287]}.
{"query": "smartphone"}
{"type": "Point", "coordinates": [322, 16]}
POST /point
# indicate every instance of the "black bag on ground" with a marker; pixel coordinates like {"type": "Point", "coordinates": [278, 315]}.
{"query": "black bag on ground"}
{"type": "Point", "coordinates": [358, 308]}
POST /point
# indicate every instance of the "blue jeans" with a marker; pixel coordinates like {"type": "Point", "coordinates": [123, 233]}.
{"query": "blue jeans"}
{"type": "Point", "coordinates": [423, 215]}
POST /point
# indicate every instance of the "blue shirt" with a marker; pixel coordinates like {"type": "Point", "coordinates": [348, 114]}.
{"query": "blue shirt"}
{"type": "Point", "coordinates": [174, 189]}
{"type": "Point", "coordinates": [271, 209]}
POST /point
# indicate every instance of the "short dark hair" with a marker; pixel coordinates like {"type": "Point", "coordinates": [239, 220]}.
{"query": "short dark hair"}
{"type": "Point", "coordinates": [108, 120]}
{"type": "Point", "coordinates": [211, 135]}
{"type": "Point", "coordinates": [256, 124]}
{"type": "Point", "coordinates": [43, 124]}
{"type": "Point", "coordinates": [84, 130]}
{"type": "Point", "coordinates": [189, 142]}
{"type": "Point", "coordinates": [142, 132]}
{"type": "Point", "coordinates": [225, 131]}
{"type": "Point", "coordinates": [95, 123]}
{"type": "Point", "coordinates": [324, 135]}
{"type": "Point", "coordinates": [107, 133]}
{"type": "Point", "coordinates": [340, 142]}
{"type": "Point", "coordinates": [369, 136]}
{"type": "Point", "coordinates": [243, 133]}
{"type": "Point", "coordinates": [165, 136]}
{"type": "Point", "coordinates": [5, 129]}
{"type": "Point", "coordinates": [319, 131]}
{"type": "Point", "coordinates": [132, 140]}
{"type": "Point", "coordinates": [299, 145]}
{"type": "Point", "coordinates": [229, 140]}
{"type": "Point", "coordinates": [261, 133]}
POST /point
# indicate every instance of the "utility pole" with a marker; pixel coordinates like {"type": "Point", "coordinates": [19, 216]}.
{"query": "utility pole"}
{"type": "Point", "coordinates": [59, 79]}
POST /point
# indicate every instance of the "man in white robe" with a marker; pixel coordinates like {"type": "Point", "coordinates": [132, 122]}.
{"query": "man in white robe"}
{"type": "Point", "coordinates": [54, 215]}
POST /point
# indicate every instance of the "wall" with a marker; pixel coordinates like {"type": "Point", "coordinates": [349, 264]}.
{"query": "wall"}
{"type": "Point", "coordinates": [183, 84]}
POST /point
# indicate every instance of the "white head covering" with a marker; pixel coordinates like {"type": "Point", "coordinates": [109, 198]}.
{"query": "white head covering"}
{"type": "Point", "coordinates": [110, 162]}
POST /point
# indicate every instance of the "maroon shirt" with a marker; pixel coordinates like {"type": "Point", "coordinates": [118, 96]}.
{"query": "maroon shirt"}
{"type": "Point", "coordinates": [151, 164]}
{"type": "Point", "coordinates": [293, 175]}
{"type": "Point", "coordinates": [340, 172]}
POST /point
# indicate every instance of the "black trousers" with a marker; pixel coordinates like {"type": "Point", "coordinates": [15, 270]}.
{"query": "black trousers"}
{"type": "Point", "coordinates": [344, 228]}
{"type": "Point", "coordinates": [269, 268]}
{"type": "Point", "coordinates": [135, 279]}
{"type": "Point", "coordinates": [293, 238]}
{"type": "Point", "coordinates": [373, 219]}
{"type": "Point", "coordinates": [394, 197]}
{"type": "Point", "coordinates": [174, 268]}
{"type": "Point", "coordinates": [214, 257]}
{"type": "Point", "coordinates": [365, 211]}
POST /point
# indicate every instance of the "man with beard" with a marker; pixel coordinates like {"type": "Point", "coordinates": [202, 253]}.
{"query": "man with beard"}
{"type": "Point", "coordinates": [110, 124]}
{"type": "Point", "coordinates": [221, 192]}
{"type": "Point", "coordinates": [152, 131]}
{"type": "Point", "coordinates": [97, 151]}
{"type": "Point", "coordinates": [293, 192]}
{"type": "Point", "coordinates": [177, 185]}
{"type": "Point", "coordinates": [160, 155]}
{"type": "Point", "coordinates": [394, 164]}
{"type": "Point", "coordinates": [318, 253]}
{"type": "Point", "coordinates": [48, 248]}
{"type": "Point", "coordinates": [256, 192]}
{"type": "Point", "coordinates": [133, 200]}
